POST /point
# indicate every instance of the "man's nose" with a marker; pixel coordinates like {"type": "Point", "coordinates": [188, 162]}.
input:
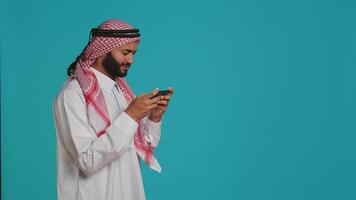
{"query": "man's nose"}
{"type": "Point", "coordinates": [130, 59]}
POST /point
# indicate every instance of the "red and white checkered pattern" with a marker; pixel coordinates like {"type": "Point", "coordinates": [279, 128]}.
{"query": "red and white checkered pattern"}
{"type": "Point", "coordinates": [97, 111]}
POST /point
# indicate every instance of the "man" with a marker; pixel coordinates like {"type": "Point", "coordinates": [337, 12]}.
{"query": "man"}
{"type": "Point", "coordinates": [102, 128]}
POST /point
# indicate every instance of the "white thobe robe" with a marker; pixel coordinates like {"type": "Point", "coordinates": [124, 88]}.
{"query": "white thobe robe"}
{"type": "Point", "coordinates": [98, 168]}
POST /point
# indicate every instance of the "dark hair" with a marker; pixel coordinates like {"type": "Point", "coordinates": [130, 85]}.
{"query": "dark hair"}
{"type": "Point", "coordinates": [71, 68]}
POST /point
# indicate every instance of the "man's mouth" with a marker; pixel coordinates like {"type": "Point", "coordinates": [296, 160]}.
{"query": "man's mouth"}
{"type": "Point", "coordinates": [125, 67]}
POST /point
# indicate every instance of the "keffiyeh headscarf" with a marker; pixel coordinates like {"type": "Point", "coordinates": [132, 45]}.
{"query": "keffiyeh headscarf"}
{"type": "Point", "coordinates": [97, 111]}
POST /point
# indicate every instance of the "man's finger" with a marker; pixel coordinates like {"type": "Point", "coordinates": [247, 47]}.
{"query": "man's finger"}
{"type": "Point", "coordinates": [153, 106]}
{"type": "Point", "coordinates": [171, 90]}
{"type": "Point", "coordinates": [155, 100]}
{"type": "Point", "coordinates": [162, 102]}
{"type": "Point", "coordinates": [153, 93]}
{"type": "Point", "coordinates": [166, 97]}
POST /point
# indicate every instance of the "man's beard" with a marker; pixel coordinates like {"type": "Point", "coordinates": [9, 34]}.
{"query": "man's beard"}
{"type": "Point", "coordinates": [113, 67]}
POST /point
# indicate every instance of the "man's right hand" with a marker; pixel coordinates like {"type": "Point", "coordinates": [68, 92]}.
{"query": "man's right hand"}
{"type": "Point", "coordinates": [142, 105]}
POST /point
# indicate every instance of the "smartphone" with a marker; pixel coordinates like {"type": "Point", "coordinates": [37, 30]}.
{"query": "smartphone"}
{"type": "Point", "coordinates": [162, 93]}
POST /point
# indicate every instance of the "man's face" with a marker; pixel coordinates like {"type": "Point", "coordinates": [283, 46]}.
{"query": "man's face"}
{"type": "Point", "coordinates": [117, 62]}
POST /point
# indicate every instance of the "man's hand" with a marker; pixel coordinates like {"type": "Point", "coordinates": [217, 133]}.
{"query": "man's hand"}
{"type": "Point", "coordinates": [157, 112]}
{"type": "Point", "coordinates": [142, 105]}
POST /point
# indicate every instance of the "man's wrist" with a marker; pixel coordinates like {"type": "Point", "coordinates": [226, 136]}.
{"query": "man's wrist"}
{"type": "Point", "coordinates": [131, 115]}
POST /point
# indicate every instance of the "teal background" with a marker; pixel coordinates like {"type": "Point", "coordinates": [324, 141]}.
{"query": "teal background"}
{"type": "Point", "coordinates": [265, 94]}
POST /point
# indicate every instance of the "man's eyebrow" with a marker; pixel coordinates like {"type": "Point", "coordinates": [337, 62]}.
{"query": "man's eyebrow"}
{"type": "Point", "coordinates": [129, 50]}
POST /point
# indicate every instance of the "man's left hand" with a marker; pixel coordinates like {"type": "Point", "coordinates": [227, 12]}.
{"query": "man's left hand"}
{"type": "Point", "coordinates": [157, 113]}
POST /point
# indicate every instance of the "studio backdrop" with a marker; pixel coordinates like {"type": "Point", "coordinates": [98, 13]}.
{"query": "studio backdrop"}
{"type": "Point", "coordinates": [265, 102]}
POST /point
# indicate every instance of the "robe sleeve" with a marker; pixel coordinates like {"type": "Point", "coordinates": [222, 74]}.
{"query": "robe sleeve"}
{"type": "Point", "coordinates": [91, 153]}
{"type": "Point", "coordinates": [151, 131]}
